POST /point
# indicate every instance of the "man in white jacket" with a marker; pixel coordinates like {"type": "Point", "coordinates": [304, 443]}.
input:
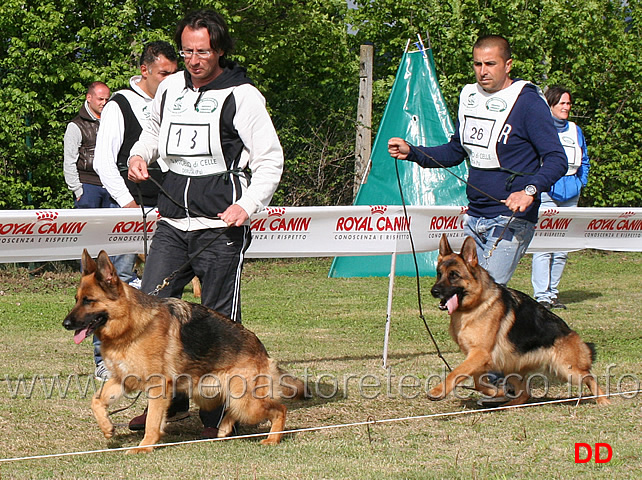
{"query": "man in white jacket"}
{"type": "Point", "coordinates": [122, 122]}
{"type": "Point", "coordinates": [211, 129]}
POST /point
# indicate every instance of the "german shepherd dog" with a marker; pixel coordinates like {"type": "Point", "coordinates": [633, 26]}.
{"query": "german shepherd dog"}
{"type": "Point", "coordinates": [161, 346]}
{"type": "Point", "coordinates": [501, 329]}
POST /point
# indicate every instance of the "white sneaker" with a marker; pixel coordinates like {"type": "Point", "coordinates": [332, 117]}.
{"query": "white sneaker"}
{"type": "Point", "coordinates": [101, 373]}
{"type": "Point", "coordinates": [136, 283]}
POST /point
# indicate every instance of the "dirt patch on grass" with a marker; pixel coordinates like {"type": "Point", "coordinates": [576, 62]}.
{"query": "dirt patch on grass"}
{"type": "Point", "coordinates": [45, 278]}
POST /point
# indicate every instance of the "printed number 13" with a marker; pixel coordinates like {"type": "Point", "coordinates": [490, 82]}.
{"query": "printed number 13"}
{"type": "Point", "coordinates": [179, 134]}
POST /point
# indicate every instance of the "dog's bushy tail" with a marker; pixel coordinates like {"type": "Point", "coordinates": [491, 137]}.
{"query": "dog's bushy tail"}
{"type": "Point", "coordinates": [289, 387]}
{"type": "Point", "coordinates": [593, 351]}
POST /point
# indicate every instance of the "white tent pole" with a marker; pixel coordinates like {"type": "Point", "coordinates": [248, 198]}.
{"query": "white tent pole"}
{"type": "Point", "coordinates": [391, 284]}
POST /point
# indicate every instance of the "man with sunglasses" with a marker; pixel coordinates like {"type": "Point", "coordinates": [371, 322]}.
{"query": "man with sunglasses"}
{"type": "Point", "coordinates": [210, 129]}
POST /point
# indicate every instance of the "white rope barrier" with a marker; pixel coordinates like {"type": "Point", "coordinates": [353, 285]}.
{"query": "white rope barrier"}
{"type": "Point", "coordinates": [328, 427]}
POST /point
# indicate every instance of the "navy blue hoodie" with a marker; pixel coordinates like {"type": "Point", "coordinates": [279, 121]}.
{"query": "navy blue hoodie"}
{"type": "Point", "coordinates": [533, 148]}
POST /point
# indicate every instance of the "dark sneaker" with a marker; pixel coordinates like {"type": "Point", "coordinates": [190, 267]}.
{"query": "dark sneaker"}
{"type": "Point", "coordinates": [545, 304]}
{"type": "Point", "coordinates": [558, 304]}
{"type": "Point", "coordinates": [209, 433]}
{"type": "Point", "coordinates": [138, 423]}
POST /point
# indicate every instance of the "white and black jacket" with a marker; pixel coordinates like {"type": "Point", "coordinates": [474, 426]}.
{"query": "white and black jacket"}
{"type": "Point", "coordinates": [213, 140]}
{"type": "Point", "coordinates": [122, 123]}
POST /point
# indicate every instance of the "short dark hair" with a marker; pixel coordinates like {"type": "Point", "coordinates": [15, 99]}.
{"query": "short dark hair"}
{"type": "Point", "coordinates": [220, 38]}
{"type": "Point", "coordinates": [554, 95]}
{"type": "Point", "coordinates": [153, 50]}
{"type": "Point", "coordinates": [94, 85]}
{"type": "Point", "coordinates": [487, 41]}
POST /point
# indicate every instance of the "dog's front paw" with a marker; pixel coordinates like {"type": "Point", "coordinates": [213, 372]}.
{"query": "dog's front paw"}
{"type": "Point", "coordinates": [134, 451]}
{"type": "Point", "coordinates": [269, 441]}
{"type": "Point", "coordinates": [437, 393]}
{"type": "Point", "coordinates": [107, 428]}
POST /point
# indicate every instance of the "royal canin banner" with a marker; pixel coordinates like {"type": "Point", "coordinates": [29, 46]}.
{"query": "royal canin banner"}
{"type": "Point", "coordinates": [41, 235]}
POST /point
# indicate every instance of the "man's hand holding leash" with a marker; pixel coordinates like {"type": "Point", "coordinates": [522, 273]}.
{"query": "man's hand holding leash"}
{"type": "Point", "coordinates": [137, 169]}
{"type": "Point", "coordinates": [398, 148]}
{"type": "Point", "coordinates": [519, 201]}
{"type": "Point", "coordinates": [234, 216]}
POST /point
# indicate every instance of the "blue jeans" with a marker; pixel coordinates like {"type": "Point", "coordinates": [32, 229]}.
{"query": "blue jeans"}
{"type": "Point", "coordinates": [502, 261]}
{"type": "Point", "coordinates": [94, 196]}
{"type": "Point", "coordinates": [549, 266]}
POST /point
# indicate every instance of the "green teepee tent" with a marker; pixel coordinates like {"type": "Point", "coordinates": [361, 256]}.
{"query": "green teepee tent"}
{"type": "Point", "coordinates": [416, 111]}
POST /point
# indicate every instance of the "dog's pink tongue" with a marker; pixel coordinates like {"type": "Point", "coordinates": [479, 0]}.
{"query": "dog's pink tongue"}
{"type": "Point", "coordinates": [80, 335]}
{"type": "Point", "coordinates": [452, 304]}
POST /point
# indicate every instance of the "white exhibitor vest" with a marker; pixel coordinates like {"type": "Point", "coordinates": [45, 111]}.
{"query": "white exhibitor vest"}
{"type": "Point", "coordinates": [190, 143]}
{"type": "Point", "coordinates": [572, 148]}
{"type": "Point", "coordinates": [482, 121]}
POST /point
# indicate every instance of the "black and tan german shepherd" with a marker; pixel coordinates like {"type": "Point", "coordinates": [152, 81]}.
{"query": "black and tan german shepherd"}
{"type": "Point", "coordinates": [503, 330]}
{"type": "Point", "coordinates": [160, 346]}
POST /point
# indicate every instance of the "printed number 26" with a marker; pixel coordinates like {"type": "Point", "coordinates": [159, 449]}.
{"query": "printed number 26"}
{"type": "Point", "coordinates": [477, 133]}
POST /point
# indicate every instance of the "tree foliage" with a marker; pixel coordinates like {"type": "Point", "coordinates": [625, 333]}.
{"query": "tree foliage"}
{"type": "Point", "coordinates": [51, 51]}
{"type": "Point", "coordinates": [304, 59]}
{"type": "Point", "coordinates": [296, 52]}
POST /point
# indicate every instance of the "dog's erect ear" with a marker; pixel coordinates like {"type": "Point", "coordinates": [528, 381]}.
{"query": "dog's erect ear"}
{"type": "Point", "coordinates": [88, 264]}
{"type": "Point", "coordinates": [106, 273]}
{"type": "Point", "coordinates": [444, 247]}
{"type": "Point", "coordinates": [469, 251]}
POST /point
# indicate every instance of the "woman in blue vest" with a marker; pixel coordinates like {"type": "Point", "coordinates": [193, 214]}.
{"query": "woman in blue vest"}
{"type": "Point", "coordinates": [548, 267]}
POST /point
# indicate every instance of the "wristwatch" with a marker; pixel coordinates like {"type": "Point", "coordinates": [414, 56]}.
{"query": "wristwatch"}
{"type": "Point", "coordinates": [530, 190]}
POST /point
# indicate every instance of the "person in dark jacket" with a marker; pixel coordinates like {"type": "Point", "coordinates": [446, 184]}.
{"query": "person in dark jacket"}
{"type": "Point", "coordinates": [505, 130]}
{"type": "Point", "coordinates": [79, 147]}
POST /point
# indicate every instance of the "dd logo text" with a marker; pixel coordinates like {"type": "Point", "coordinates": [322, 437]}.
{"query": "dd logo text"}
{"type": "Point", "coordinates": [584, 453]}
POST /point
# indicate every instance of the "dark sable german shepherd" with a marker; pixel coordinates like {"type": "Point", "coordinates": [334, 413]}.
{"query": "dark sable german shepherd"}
{"type": "Point", "coordinates": [161, 345]}
{"type": "Point", "coordinates": [501, 329]}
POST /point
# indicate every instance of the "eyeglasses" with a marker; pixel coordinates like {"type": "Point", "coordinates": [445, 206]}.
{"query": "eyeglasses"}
{"type": "Point", "coordinates": [198, 53]}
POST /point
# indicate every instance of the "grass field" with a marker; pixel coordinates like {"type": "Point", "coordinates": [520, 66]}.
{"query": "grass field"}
{"type": "Point", "coordinates": [330, 331]}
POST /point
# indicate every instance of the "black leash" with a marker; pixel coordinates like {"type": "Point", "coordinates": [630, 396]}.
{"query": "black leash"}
{"type": "Point", "coordinates": [414, 257]}
{"type": "Point", "coordinates": [122, 409]}
{"type": "Point", "coordinates": [139, 193]}
{"type": "Point", "coordinates": [412, 243]}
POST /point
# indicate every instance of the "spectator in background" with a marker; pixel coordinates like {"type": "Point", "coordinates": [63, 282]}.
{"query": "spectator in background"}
{"type": "Point", "coordinates": [79, 148]}
{"type": "Point", "coordinates": [548, 267]}
{"type": "Point", "coordinates": [123, 119]}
